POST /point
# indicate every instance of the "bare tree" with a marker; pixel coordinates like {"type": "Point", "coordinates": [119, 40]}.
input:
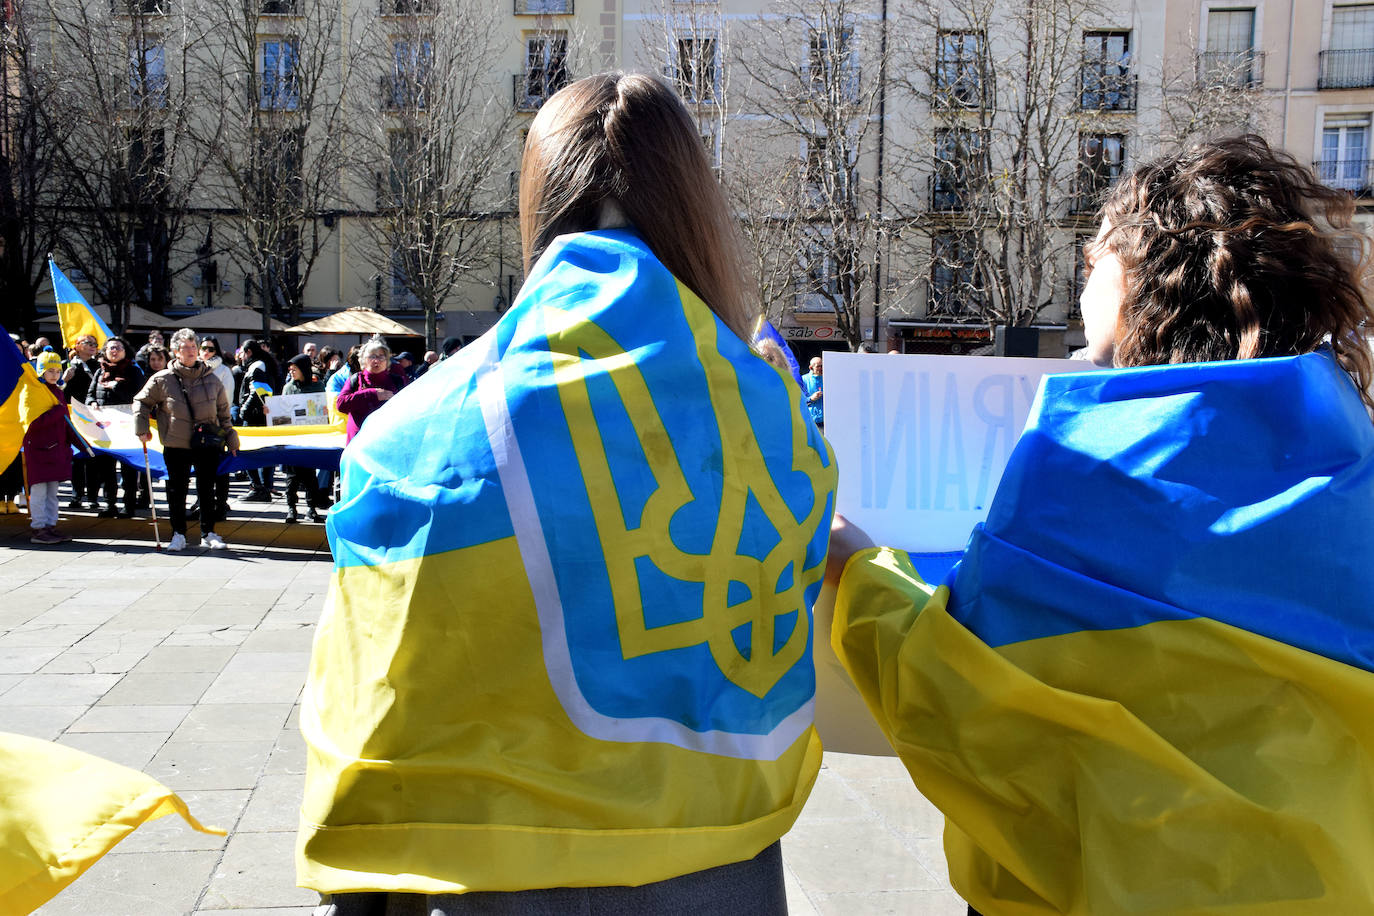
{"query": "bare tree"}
{"type": "Point", "coordinates": [437, 146]}
{"type": "Point", "coordinates": [123, 104]}
{"type": "Point", "coordinates": [30, 180]}
{"type": "Point", "coordinates": [1024, 138]}
{"type": "Point", "coordinates": [814, 73]}
{"type": "Point", "coordinates": [1210, 94]}
{"type": "Point", "coordinates": [278, 139]}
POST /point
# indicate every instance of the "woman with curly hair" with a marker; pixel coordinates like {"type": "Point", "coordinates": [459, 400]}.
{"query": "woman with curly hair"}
{"type": "Point", "coordinates": [1146, 686]}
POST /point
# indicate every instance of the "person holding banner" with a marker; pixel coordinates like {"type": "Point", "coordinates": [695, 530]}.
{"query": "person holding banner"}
{"type": "Point", "coordinates": [302, 381]}
{"type": "Point", "coordinates": [372, 386]}
{"type": "Point", "coordinates": [565, 664]}
{"type": "Point", "coordinates": [1146, 687]}
{"type": "Point", "coordinates": [115, 383]}
{"type": "Point", "coordinates": [192, 412]}
{"type": "Point", "coordinates": [76, 382]}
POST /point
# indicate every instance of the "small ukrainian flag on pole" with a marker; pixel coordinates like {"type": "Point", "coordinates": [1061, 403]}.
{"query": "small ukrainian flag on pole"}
{"type": "Point", "coordinates": [74, 313]}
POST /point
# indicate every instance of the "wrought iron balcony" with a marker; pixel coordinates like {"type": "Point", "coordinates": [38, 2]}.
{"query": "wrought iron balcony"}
{"type": "Point", "coordinates": [1346, 69]}
{"type": "Point", "coordinates": [1103, 91]}
{"type": "Point", "coordinates": [1231, 69]}
{"type": "Point", "coordinates": [1351, 175]}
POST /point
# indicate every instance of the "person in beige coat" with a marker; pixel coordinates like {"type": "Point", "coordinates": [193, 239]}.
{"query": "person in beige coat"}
{"type": "Point", "coordinates": [182, 397]}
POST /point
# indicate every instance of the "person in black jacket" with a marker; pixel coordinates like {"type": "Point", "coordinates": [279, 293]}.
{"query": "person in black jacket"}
{"type": "Point", "coordinates": [76, 382]}
{"type": "Point", "coordinates": [115, 382]}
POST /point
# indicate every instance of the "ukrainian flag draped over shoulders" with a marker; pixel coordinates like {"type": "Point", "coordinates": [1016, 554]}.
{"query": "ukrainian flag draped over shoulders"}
{"type": "Point", "coordinates": [1148, 686]}
{"type": "Point", "coordinates": [568, 641]}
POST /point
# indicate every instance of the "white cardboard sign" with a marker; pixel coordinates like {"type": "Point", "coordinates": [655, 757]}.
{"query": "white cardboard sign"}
{"type": "Point", "coordinates": [297, 409]}
{"type": "Point", "coordinates": [921, 441]}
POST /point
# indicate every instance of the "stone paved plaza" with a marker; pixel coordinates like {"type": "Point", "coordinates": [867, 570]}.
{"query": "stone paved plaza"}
{"type": "Point", "coordinates": [189, 667]}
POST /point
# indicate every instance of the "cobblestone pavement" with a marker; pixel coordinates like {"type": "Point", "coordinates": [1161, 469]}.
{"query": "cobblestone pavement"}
{"type": "Point", "coordinates": [189, 667]}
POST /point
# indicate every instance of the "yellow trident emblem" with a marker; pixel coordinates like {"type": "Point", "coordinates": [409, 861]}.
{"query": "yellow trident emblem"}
{"type": "Point", "coordinates": [568, 337]}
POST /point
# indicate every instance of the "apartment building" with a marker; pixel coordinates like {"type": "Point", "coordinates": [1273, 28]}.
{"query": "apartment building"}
{"type": "Point", "coordinates": [900, 179]}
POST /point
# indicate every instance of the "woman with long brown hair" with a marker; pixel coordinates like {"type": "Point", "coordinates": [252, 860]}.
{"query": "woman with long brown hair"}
{"type": "Point", "coordinates": [1146, 686]}
{"type": "Point", "coordinates": [566, 665]}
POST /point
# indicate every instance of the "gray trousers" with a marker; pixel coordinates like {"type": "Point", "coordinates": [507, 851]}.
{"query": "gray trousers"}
{"type": "Point", "coordinates": [750, 888]}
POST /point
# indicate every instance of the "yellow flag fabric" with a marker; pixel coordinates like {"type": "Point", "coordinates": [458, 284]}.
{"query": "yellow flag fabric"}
{"type": "Point", "coordinates": [61, 810]}
{"type": "Point", "coordinates": [568, 638]}
{"type": "Point", "coordinates": [1147, 686]}
{"type": "Point", "coordinates": [23, 398]}
{"type": "Point", "coordinates": [74, 313]}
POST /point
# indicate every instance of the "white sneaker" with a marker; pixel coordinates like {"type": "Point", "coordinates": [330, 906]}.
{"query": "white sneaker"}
{"type": "Point", "coordinates": [177, 543]}
{"type": "Point", "coordinates": [213, 541]}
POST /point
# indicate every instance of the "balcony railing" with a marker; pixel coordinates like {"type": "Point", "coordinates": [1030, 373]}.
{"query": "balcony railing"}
{"type": "Point", "coordinates": [1351, 175]}
{"type": "Point", "coordinates": [1103, 91]}
{"type": "Point", "coordinates": [545, 7]}
{"type": "Point", "coordinates": [531, 90]}
{"type": "Point", "coordinates": [1231, 69]}
{"type": "Point", "coordinates": [1346, 69]}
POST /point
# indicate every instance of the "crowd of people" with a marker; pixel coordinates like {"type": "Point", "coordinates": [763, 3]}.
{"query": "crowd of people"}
{"type": "Point", "coordinates": [197, 394]}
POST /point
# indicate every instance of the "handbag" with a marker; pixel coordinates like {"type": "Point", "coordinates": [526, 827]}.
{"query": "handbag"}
{"type": "Point", "coordinates": [203, 435]}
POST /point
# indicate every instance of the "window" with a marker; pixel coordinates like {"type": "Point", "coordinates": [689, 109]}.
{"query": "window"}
{"type": "Point", "coordinates": [407, 7]}
{"type": "Point", "coordinates": [1101, 161]}
{"type": "Point", "coordinates": [280, 87]}
{"type": "Point", "coordinates": [404, 148]}
{"type": "Point", "coordinates": [1107, 81]}
{"type": "Point", "coordinates": [818, 281]}
{"type": "Point", "coordinates": [147, 73]}
{"type": "Point", "coordinates": [1230, 58]}
{"type": "Point", "coordinates": [546, 70]}
{"type": "Point", "coordinates": [147, 161]}
{"type": "Point", "coordinates": [817, 159]}
{"type": "Point", "coordinates": [407, 86]}
{"type": "Point", "coordinates": [957, 151]}
{"type": "Point", "coordinates": [1345, 153]}
{"type": "Point", "coordinates": [136, 7]}
{"type": "Point", "coordinates": [695, 68]}
{"type": "Point", "coordinates": [278, 7]}
{"type": "Point", "coordinates": [532, 7]}
{"type": "Point", "coordinates": [955, 287]}
{"type": "Point", "coordinates": [1079, 280]}
{"type": "Point", "coordinates": [832, 62]}
{"type": "Point", "coordinates": [402, 297]}
{"type": "Point", "coordinates": [278, 164]}
{"type": "Point", "coordinates": [959, 68]}
{"type": "Point", "coordinates": [1349, 62]}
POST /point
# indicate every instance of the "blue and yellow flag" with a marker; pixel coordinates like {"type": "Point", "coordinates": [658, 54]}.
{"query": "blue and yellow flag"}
{"type": "Point", "coordinates": [61, 810]}
{"type": "Point", "coordinates": [110, 431]}
{"type": "Point", "coordinates": [568, 640]}
{"type": "Point", "coordinates": [74, 314]}
{"type": "Point", "coordinates": [23, 398]}
{"type": "Point", "coordinates": [1148, 686]}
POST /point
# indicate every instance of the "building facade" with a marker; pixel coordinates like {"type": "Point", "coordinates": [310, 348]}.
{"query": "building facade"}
{"type": "Point", "coordinates": [912, 174]}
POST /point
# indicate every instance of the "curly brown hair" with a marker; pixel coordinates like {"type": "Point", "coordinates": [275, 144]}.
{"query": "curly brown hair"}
{"type": "Point", "coordinates": [1233, 250]}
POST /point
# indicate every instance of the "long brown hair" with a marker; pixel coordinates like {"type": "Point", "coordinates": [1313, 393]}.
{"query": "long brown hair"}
{"type": "Point", "coordinates": [1233, 250]}
{"type": "Point", "coordinates": [626, 140]}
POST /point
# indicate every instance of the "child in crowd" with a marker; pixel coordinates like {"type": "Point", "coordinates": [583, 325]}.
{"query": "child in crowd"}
{"type": "Point", "coordinates": [48, 455]}
{"type": "Point", "coordinates": [302, 381]}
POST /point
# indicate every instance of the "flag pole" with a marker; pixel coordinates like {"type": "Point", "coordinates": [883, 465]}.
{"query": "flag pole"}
{"type": "Point", "coordinates": [152, 500]}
